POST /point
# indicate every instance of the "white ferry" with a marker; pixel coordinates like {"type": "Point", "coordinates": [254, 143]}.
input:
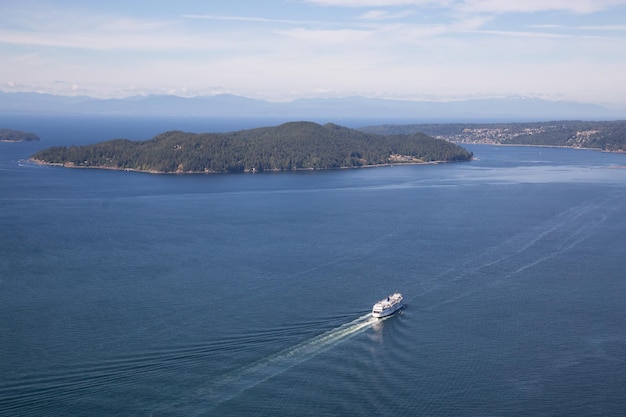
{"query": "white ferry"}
{"type": "Point", "coordinates": [388, 306]}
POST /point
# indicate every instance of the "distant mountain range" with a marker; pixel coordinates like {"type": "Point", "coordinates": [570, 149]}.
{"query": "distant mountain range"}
{"type": "Point", "coordinates": [321, 109]}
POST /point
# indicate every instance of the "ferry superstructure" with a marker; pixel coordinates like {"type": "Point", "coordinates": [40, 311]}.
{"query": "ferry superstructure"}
{"type": "Point", "coordinates": [388, 306]}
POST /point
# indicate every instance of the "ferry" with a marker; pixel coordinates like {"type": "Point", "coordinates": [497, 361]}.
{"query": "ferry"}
{"type": "Point", "coordinates": [388, 306]}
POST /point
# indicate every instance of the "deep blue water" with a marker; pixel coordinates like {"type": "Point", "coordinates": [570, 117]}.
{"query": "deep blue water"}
{"type": "Point", "coordinates": [248, 294]}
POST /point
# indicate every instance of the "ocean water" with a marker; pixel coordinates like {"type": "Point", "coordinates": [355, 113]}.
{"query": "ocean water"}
{"type": "Point", "coordinates": [129, 294]}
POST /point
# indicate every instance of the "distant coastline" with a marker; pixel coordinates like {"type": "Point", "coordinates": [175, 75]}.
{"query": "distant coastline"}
{"type": "Point", "coordinates": [608, 136]}
{"type": "Point", "coordinates": [10, 135]}
{"type": "Point", "coordinates": [525, 145]}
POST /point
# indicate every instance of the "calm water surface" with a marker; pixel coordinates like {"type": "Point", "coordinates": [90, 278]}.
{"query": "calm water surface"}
{"type": "Point", "coordinates": [248, 295]}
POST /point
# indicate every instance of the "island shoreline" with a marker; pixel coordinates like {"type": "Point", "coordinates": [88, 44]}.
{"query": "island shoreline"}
{"type": "Point", "coordinates": [247, 171]}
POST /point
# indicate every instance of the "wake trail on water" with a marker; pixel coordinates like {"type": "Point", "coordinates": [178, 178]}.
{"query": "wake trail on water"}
{"type": "Point", "coordinates": [237, 382]}
{"type": "Point", "coordinates": [243, 379]}
{"type": "Point", "coordinates": [549, 239]}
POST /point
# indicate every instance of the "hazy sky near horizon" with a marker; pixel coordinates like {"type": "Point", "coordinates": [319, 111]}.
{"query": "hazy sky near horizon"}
{"type": "Point", "coordinates": [284, 49]}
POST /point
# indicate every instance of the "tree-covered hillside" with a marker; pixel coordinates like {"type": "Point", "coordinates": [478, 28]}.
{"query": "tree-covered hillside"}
{"type": "Point", "coordinates": [607, 136]}
{"type": "Point", "coordinates": [291, 146]}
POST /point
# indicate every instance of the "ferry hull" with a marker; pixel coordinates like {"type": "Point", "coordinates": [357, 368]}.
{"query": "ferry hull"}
{"type": "Point", "coordinates": [387, 312]}
{"type": "Point", "coordinates": [388, 306]}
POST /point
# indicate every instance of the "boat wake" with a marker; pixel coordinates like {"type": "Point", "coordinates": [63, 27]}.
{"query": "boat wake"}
{"type": "Point", "coordinates": [512, 258]}
{"type": "Point", "coordinates": [243, 379]}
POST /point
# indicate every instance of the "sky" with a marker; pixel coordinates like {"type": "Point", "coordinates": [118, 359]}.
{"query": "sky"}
{"type": "Point", "coordinates": [280, 50]}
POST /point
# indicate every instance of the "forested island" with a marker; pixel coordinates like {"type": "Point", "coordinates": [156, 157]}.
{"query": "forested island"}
{"type": "Point", "coordinates": [607, 135]}
{"type": "Point", "coordinates": [10, 135]}
{"type": "Point", "coordinates": [287, 147]}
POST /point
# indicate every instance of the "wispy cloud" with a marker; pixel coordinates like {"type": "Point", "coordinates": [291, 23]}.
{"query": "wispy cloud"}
{"type": "Point", "coordinates": [329, 37]}
{"type": "Point", "coordinates": [251, 19]}
{"type": "Point", "coordinates": [379, 15]}
{"type": "Point", "coordinates": [521, 34]}
{"type": "Point", "coordinates": [533, 6]}
{"type": "Point", "coordinates": [615, 28]}
{"type": "Point", "coordinates": [358, 21]}
{"type": "Point", "coordinates": [77, 30]}
{"type": "Point", "coordinates": [485, 6]}
{"type": "Point", "coordinates": [378, 3]}
{"type": "Point", "coordinates": [602, 28]}
{"type": "Point", "coordinates": [108, 33]}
